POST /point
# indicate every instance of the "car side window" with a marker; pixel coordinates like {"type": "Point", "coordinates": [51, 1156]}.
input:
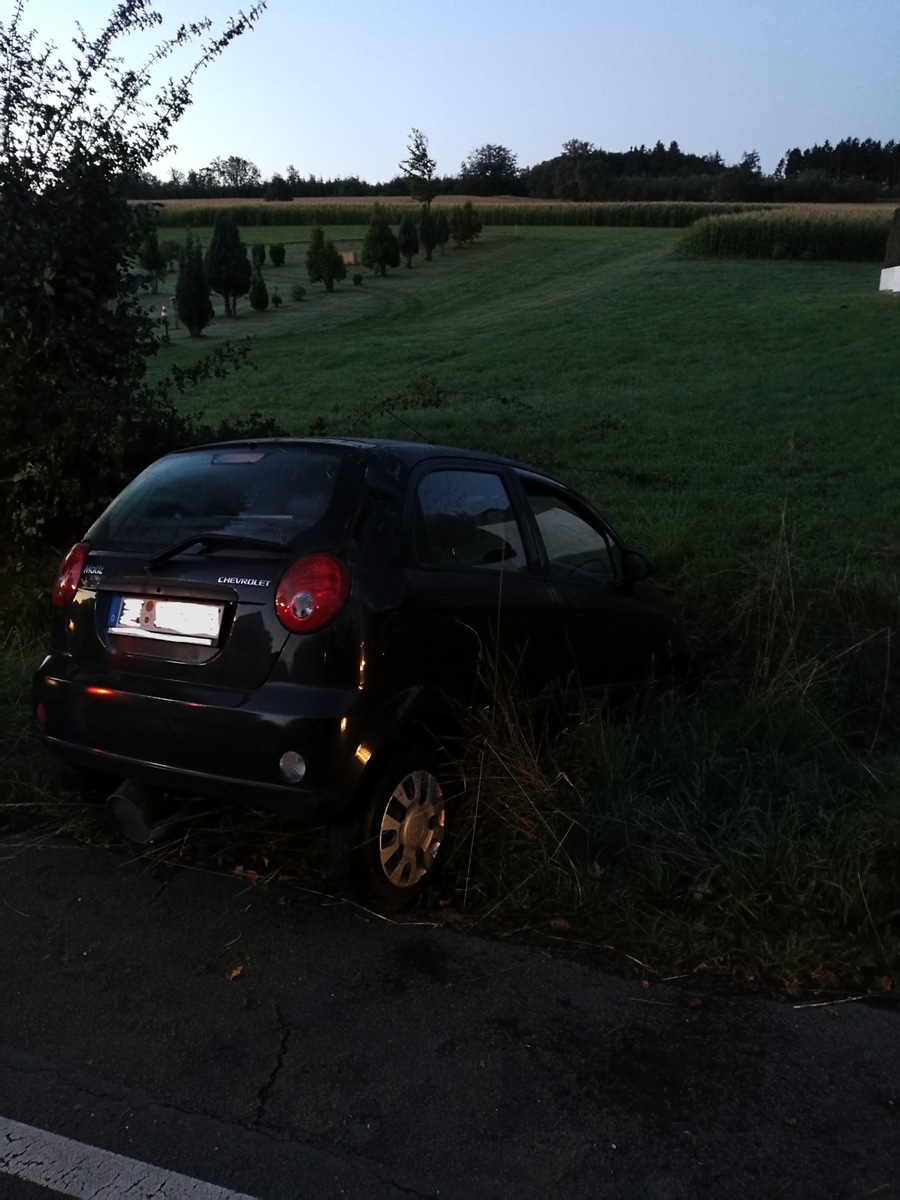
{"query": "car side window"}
{"type": "Point", "coordinates": [576, 547]}
{"type": "Point", "coordinates": [465, 519]}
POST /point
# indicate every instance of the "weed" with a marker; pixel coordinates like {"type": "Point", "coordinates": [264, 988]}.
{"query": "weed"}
{"type": "Point", "coordinates": [734, 826]}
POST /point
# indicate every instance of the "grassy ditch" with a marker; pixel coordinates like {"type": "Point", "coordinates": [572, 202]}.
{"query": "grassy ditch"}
{"type": "Point", "coordinates": [732, 417]}
{"type": "Point", "coordinates": [741, 828]}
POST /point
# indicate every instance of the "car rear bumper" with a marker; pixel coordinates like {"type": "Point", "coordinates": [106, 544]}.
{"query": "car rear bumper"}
{"type": "Point", "coordinates": [205, 741]}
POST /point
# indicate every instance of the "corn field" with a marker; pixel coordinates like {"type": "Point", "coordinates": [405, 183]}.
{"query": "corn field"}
{"type": "Point", "coordinates": [829, 235]}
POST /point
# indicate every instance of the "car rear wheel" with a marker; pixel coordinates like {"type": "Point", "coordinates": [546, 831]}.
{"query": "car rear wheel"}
{"type": "Point", "coordinates": [389, 846]}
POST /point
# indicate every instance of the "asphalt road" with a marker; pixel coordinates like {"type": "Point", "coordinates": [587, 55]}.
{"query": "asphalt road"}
{"type": "Point", "coordinates": [279, 1045]}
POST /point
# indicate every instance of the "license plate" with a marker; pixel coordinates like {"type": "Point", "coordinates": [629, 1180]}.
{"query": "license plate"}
{"type": "Point", "coordinates": [166, 620]}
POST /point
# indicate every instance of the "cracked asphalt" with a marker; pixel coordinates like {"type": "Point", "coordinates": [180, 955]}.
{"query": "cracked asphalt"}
{"type": "Point", "coordinates": [270, 1041]}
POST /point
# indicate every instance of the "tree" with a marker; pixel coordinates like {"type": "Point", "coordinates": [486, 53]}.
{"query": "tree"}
{"type": "Point", "coordinates": [278, 188]}
{"type": "Point", "coordinates": [235, 174]}
{"type": "Point", "coordinates": [428, 232]}
{"type": "Point", "coordinates": [171, 250]}
{"type": "Point", "coordinates": [259, 293]}
{"type": "Point", "coordinates": [576, 148]}
{"type": "Point", "coordinates": [324, 263]}
{"type": "Point", "coordinates": [314, 253]}
{"type": "Point", "coordinates": [408, 237]}
{"type": "Point", "coordinates": [750, 164]}
{"type": "Point", "coordinates": [192, 303]}
{"type": "Point", "coordinates": [227, 266]}
{"type": "Point", "coordinates": [380, 246]}
{"type": "Point", "coordinates": [419, 169]}
{"type": "Point", "coordinates": [490, 171]}
{"type": "Point", "coordinates": [78, 416]}
{"type": "Point", "coordinates": [465, 224]}
{"type": "Point", "coordinates": [442, 227]}
{"type": "Point", "coordinates": [151, 258]}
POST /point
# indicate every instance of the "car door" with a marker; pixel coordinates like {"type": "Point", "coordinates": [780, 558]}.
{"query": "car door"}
{"type": "Point", "coordinates": [613, 628]}
{"type": "Point", "coordinates": [483, 611]}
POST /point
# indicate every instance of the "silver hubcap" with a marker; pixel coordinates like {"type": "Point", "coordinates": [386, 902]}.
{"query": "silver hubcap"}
{"type": "Point", "coordinates": [412, 826]}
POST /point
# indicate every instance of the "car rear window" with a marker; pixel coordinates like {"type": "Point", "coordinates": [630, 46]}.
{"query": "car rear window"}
{"type": "Point", "coordinates": [270, 493]}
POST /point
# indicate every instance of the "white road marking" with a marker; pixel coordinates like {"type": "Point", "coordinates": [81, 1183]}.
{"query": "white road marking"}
{"type": "Point", "coordinates": [88, 1173]}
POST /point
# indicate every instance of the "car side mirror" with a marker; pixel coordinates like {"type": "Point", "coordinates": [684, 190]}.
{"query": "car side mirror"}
{"type": "Point", "coordinates": [634, 566]}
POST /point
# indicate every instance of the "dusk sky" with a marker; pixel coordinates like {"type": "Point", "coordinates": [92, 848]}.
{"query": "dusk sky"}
{"type": "Point", "coordinates": [335, 87]}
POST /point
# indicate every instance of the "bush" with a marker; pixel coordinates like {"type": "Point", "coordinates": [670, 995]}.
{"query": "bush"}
{"type": "Point", "coordinates": [357, 279]}
{"type": "Point", "coordinates": [276, 299]}
{"type": "Point", "coordinates": [170, 250]}
{"type": "Point", "coordinates": [258, 254]}
{"type": "Point", "coordinates": [324, 263]}
{"type": "Point", "coordinates": [259, 293]}
{"type": "Point", "coordinates": [276, 254]}
{"type": "Point", "coordinates": [298, 291]}
{"type": "Point", "coordinates": [381, 249]}
{"type": "Point", "coordinates": [465, 224]}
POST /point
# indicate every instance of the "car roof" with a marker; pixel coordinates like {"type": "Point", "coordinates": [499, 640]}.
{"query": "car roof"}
{"type": "Point", "coordinates": [408, 454]}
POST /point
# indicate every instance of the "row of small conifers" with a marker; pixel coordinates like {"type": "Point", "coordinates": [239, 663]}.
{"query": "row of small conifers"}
{"type": "Point", "coordinates": [858, 234]}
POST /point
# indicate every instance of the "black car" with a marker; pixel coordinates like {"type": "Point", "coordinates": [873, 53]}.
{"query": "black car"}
{"type": "Point", "coordinates": [303, 623]}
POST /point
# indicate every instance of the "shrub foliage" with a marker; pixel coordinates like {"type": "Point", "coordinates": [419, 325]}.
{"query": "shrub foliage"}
{"type": "Point", "coordinates": [192, 302]}
{"type": "Point", "coordinates": [323, 261]}
{"type": "Point", "coordinates": [78, 416]}
{"type": "Point", "coordinates": [381, 249]}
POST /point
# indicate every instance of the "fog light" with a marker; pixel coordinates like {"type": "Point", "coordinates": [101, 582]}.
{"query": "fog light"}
{"type": "Point", "coordinates": [293, 766]}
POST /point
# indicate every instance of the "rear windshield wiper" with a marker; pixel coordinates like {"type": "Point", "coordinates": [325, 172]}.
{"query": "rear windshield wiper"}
{"type": "Point", "coordinates": [215, 540]}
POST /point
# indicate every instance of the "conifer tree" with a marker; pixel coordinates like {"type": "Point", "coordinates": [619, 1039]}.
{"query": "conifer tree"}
{"type": "Point", "coordinates": [324, 263]}
{"type": "Point", "coordinates": [408, 238]}
{"type": "Point", "coordinates": [380, 246]}
{"type": "Point", "coordinates": [259, 293]}
{"type": "Point", "coordinates": [428, 232]}
{"type": "Point", "coordinates": [192, 303]}
{"type": "Point", "coordinates": [227, 265]}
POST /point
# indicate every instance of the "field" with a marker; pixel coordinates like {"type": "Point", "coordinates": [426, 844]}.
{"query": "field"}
{"type": "Point", "coordinates": [737, 420]}
{"type": "Point", "coordinates": [696, 400]}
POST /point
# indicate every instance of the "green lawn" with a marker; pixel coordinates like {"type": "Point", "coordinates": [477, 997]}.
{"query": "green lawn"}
{"type": "Point", "coordinates": [695, 400]}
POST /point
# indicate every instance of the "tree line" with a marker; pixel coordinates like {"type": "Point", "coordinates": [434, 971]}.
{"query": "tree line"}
{"type": "Point", "coordinates": [851, 169]}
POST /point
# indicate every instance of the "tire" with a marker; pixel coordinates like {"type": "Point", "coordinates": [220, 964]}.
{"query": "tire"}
{"type": "Point", "coordinates": [389, 846]}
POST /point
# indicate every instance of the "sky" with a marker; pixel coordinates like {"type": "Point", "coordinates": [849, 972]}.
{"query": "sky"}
{"type": "Point", "coordinates": [334, 87]}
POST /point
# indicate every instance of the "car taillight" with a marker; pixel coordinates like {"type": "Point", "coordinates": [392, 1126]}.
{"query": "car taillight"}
{"type": "Point", "coordinates": [312, 591]}
{"type": "Point", "coordinates": [69, 574]}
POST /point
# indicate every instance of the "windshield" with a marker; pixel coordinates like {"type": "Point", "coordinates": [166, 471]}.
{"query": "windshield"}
{"type": "Point", "coordinates": [261, 493]}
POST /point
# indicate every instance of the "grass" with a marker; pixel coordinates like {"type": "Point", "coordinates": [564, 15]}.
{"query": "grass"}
{"type": "Point", "coordinates": [732, 831]}
{"type": "Point", "coordinates": [658, 384]}
{"type": "Point", "coordinates": [735, 419]}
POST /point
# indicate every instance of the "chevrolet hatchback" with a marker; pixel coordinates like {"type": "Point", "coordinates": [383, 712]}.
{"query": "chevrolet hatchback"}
{"type": "Point", "coordinates": [302, 624]}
